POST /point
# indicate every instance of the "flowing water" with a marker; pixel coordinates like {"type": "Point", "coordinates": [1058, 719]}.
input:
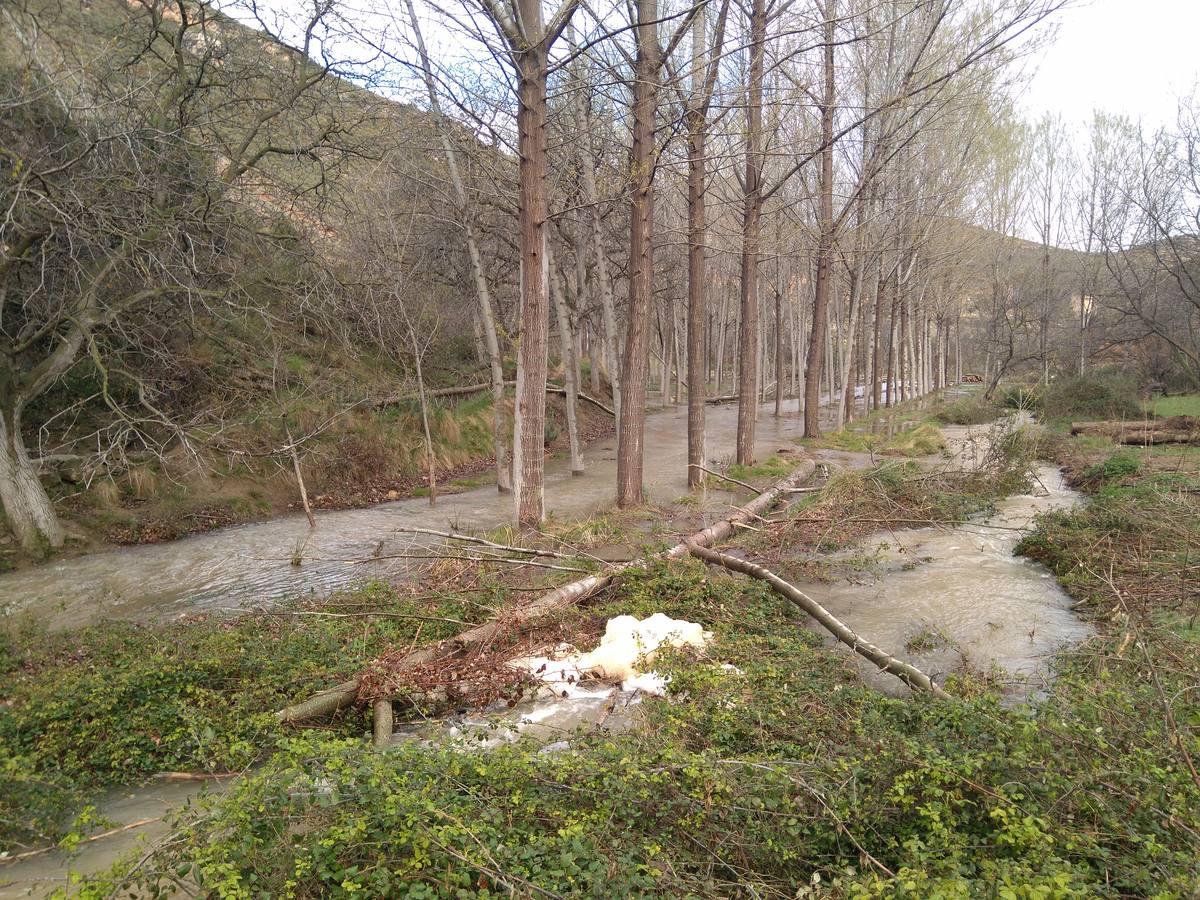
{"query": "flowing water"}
{"type": "Point", "coordinates": [942, 598]}
{"type": "Point", "coordinates": [251, 565]}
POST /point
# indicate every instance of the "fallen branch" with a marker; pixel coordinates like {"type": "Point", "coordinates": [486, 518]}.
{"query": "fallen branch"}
{"type": "Point", "coordinates": [458, 536]}
{"type": "Point", "coordinates": [555, 389]}
{"type": "Point", "coordinates": [479, 388]}
{"type": "Point", "coordinates": [909, 674]}
{"type": "Point", "coordinates": [345, 694]}
{"type": "Point", "coordinates": [722, 477]}
{"type": "Point", "coordinates": [87, 840]}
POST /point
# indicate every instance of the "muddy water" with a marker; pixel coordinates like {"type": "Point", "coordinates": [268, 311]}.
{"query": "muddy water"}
{"type": "Point", "coordinates": [942, 598]}
{"type": "Point", "coordinates": [41, 875]}
{"type": "Point", "coordinates": [250, 565]}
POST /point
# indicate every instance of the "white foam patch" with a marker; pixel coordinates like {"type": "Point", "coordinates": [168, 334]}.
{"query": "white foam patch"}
{"type": "Point", "coordinates": [627, 643]}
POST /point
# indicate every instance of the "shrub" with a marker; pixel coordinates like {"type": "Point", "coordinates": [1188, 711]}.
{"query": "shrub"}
{"type": "Point", "coordinates": [968, 411]}
{"type": "Point", "coordinates": [1119, 465]}
{"type": "Point", "coordinates": [1102, 395]}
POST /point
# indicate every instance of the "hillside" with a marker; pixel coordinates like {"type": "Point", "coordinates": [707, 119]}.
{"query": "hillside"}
{"type": "Point", "coordinates": [296, 348]}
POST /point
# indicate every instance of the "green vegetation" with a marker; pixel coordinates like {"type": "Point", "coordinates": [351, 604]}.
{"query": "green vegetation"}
{"type": "Point", "coordinates": [967, 411]}
{"type": "Point", "coordinates": [1117, 466]}
{"type": "Point", "coordinates": [1178, 405]}
{"type": "Point", "coordinates": [788, 772]}
{"type": "Point", "coordinates": [117, 702]}
{"type": "Point", "coordinates": [908, 439]}
{"type": "Point", "coordinates": [771, 469]}
{"type": "Point", "coordinates": [1097, 395]}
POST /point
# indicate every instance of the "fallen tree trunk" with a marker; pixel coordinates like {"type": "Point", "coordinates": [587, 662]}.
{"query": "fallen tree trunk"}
{"type": "Point", "coordinates": [1175, 430]}
{"type": "Point", "coordinates": [461, 391]}
{"type": "Point", "coordinates": [555, 389]}
{"type": "Point", "coordinates": [909, 674]}
{"type": "Point", "coordinates": [466, 389]}
{"type": "Point", "coordinates": [346, 694]}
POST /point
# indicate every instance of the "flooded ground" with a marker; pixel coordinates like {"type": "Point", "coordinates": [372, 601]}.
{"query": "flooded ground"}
{"type": "Point", "coordinates": [945, 598]}
{"type": "Point", "coordinates": [143, 814]}
{"type": "Point", "coordinates": [251, 565]}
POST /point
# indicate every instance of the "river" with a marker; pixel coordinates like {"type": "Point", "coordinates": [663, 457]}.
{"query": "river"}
{"type": "Point", "coordinates": [250, 565]}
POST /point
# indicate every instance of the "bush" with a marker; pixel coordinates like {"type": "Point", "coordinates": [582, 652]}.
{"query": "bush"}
{"type": "Point", "coordinates": [1119, 465]}
{"type": "Point", "coordinates": [968, 411]}
{"type": "Point", "coordinates": [1019, 396]}
{"type": "Point", "coordinates": [1102, 395]}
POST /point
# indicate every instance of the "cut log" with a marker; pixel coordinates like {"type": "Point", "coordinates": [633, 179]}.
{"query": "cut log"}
{"type": "Point", "coordinates": [383, 725]}
{"type": "Point", "coordinates": [346, 694]}
{"type": "Point", "coordinates": [909, 674]}
{"type": "Point", "coordinates": [1174, 430]}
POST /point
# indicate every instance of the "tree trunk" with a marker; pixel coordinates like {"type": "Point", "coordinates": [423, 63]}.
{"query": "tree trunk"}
{"type": "Point", "coordinates": [846, 407]}
{"type": "Point", "coordinates": [487, 314]}
{"type": "Point", "coordinates": [778, 352]}
{"type": "Point", "coordinates": [529, 437]}
{"type": "Point", "coordinates": [567, 349]}
{"type": "Point", "coordinates": [697, 298]}
{"type": "Point", "coordinates": [26, 504]}
{"type": "Point", "coordinates": [816, 344]}
{"type": "Point", "coordinates": [631, 426]}
{"type": "Point", "coordinates": [610, 358]}
{"type": "Point", "coordinates": [751, 239]}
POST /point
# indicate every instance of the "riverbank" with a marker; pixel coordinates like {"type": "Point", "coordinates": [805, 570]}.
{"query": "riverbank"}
{"type": "Point", "coordinates": [790, 771]}
{"type": "Point", "coordinates": [361, 457]}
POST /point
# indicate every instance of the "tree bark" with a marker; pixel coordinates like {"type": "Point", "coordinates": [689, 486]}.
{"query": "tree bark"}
{"type": "Point", "coordinates": [634, 374]}
{"type": "Point", "coordinates": [567, 349]}
{"type": "Point", "coordinates": [529, 437]}
{"type": "Point", "coordinates": [816, 343]}
{"type": "Point", "coordinates": [751, 240]}
{"type": "Point", "coordinates": [26, 504]}
{"type": "Point", "coordinates": [697, 363]}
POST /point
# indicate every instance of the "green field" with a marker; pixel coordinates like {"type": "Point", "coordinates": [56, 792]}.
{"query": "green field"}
{"type": "Point", "coordinates": [1180, 405]}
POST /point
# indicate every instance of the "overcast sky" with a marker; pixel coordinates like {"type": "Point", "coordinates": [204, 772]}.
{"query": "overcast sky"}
{"type": "Point", "coordinates": [1124, 56]}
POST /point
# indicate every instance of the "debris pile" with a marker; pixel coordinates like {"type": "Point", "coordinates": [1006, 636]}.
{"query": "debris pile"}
{"type": "Point", "coordinates": [628, 648]}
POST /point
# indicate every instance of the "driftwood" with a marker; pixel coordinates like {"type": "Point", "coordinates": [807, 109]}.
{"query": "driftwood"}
{"type": "Point", "coordinates": [1174, 430]}
{"type": "Point", "coordinates": [909, 674]}
{"type": "Point", "coordinates": [345, 694]}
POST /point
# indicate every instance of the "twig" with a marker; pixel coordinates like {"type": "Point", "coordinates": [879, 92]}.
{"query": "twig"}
{"type": "Point", "coordinates": [87, 840]}
{"type": "Point", "coordinates": [458, 536]}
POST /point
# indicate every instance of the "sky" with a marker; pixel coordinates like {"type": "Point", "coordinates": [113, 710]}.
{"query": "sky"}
{"type": "Point", "coordinates": [1124, 56]}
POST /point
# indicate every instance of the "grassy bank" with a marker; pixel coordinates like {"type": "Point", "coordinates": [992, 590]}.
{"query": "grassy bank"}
{"type": "Point", "coordinates": [786, 774]}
